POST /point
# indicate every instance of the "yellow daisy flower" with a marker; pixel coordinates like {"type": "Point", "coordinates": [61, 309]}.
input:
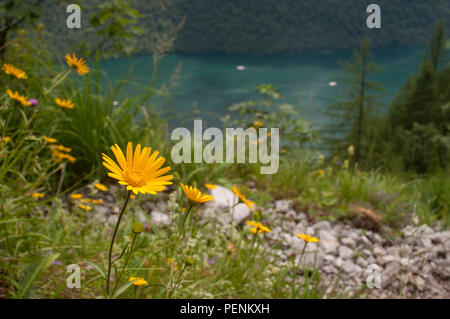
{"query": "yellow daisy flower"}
{"type": "Point", "coordinates": [86, 200]}
{"type": "Point", "coordinates": [68, 104]}
{"type": "Point", "coordinates": [78, 64]}
{"type": "Point", "coordinates": [138, 281]}
{"type": "Point", "coordinates": [97, 201]}
{"type": "Point", "coordinates": [257, 228]}
{"type": "Point", "coordinates": [12, 70]}
{"type": "Point", "coordinates": [194, 195]}
{"type": "Point", "coordinates": [84, 207]}
{"type": "Point", "coordinates": [19, 98]}
{"type": "Point", "coordinates": [50, 140]}
{"type": "Point", "coordinates": [5, 140]}
{"type": "Point", "coordinates": [37, 195]}
{"type": "Point", "coordinates": [58, 157]}
{"type": "Point", "coordinates": [320, 172]}
{"type": "Point", "coordinates": [101, 187]}
{"type": "Point", "coordinates": [257, 123]}
{"type": "Point", "coordinates": [139, 173]}
{"type": "Point", "coordinates": [76, 196]}
{"type": "Point", "coordinates": [132, 196]}
{"type": "Point", "coordinates": [61, 148]}
{"type": "Point", "coordinates": [210, 186]}
{"type": "Point", "coordinates": [238, 193]}
{"type": "Point", "coordinates": [308, 238]}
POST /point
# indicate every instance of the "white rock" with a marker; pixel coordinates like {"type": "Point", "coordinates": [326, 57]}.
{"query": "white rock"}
{"type": "Point", "coordinates": [328, 242]}
{"type": "Point", "coordinates": [348, 241]}
{"type": "Point", "coordinates": [345, 252]}
{"type": "Point", "coordinates": [282, 206]}
{"type": "Point", "coordinates": [323, 225]}
{"type": "Point", "coordinates": [379, 251]}
{"type": "Point", "coordinates": [351, 269]}
{"type": "Point", "coordinates": [223, 197]}
{"type": "Point", "coordinates": [240, 212]}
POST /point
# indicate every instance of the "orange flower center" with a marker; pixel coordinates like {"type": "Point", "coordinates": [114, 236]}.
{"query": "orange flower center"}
{"type": "Point", "coordinates": [133, 178]}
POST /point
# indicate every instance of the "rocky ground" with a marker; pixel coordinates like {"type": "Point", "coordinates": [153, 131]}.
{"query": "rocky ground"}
{"type": "Point", "coordinates": [415, 264]}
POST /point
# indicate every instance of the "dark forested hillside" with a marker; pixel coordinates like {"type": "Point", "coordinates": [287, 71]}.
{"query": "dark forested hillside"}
{"type": "Point", "coordinates": [282, 26]}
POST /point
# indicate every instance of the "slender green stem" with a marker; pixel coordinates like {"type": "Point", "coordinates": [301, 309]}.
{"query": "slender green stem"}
{"type": "Point", "coordinates": [125, 263]}
{"type": "Point", "coordinates": [177, 281]}
{"type": "Point", "coordinates": [184, 222]}
{"type": "Point", "coordinates": [294, 271]}
{"type": "Point", "coordinates": [112, 241]}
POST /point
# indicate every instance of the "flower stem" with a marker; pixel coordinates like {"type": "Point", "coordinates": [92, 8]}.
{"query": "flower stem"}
{"type": "Point", "coordinates": [112, 241]}
{"type": "Point", "coordinates": [184, 222]}
{"type": "Point", "coordinates": [126, 262]}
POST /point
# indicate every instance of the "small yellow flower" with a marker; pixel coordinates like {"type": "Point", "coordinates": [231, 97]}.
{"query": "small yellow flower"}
{"type": "Point", "coordinates": [101, 187]}
{"type": "Point", "coordinates": [17, 97]}
{"type": "Point", "coordinates": [70, 158]}
{"type": "Point", "coordinates": [138, 281]}
{"type": "Point", "coordinates": [257, 123]}
{"type": "Point", "coordinates": [50, 140]}
{"type": "Point", "coordinates": [269, 134]}
{"type": "Point", "coordinates": [132, 196]}
{"type": "Point", "coordinates": [257, 228]}
{"type": "Point", "coordinates": [86, 200]}
{"type": "Point", "coordinates": [78, 64]}
{"type": "Point", "coordinates": [308, 238]}
{"type": "Point", "coordinates": [76, 196]}
{"type": "Point", "coordinates": [37, 195]}
{"type": "Point", "coordinates": [68, 104]}
{"type": "Point", "coordinates": [283, 150]}
{"type": "Point", "coordinates": [12, 70]}
{"type": "Point", "coordinates": [58, 156]}
{"type": "Point", "coordinates": [194, 195]}
{"type": "Point", "coordinates": [84, 207]}
{"type": "Point", "coordinates": [139, 173]}
{"type": "Point", "coordinates": [5, 140]}
{"type": "Point", "coordinates": [97, 201]}
{"type": "Point", "coordinates": [210, 186]}
{"type": "Point", "coordinates": [61, 148]}
{"type": "Point", "coordinates": [184, 209]}
{"type": "Point", "coordinates": [320, 172]}
{"type": "Point", "coordinates": [238, 193]}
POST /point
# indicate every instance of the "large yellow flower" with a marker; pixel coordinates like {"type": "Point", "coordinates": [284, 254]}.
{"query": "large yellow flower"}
{"type": "Point", "coordinates": [141, 172]}
{"type": "Point", "coordinates": [12, 70]}
{"type": "Point", "coordinates": [68, 104]}
{"type": "Point", "coordinates": [257, 228]}
{"type": "Point", "coordinates": [194, 195]}
{"type": "Point", "coordinates": [238, 193]}
{"type": "Point", "coordinates": [308, 238]}
{"type": "Point", "coordinates": [78, 64]}
{"type": "Point", "coordinates": [19, 98]}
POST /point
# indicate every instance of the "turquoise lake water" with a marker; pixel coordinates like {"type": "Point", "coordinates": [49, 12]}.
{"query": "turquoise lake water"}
{"type": "Point", "coordinates": [209, 84]}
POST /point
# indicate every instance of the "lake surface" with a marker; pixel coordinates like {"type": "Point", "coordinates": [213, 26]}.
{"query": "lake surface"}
{"type": "Point", "coordinates": [209, 84]}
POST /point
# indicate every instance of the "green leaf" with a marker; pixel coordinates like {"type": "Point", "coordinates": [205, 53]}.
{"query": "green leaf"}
{"type": "Point", "coordinates": [98, 269]}
{"type": "Point", "coordinates": [122, 289]}
{"type": "Point", "coordinates": [45, 263]}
